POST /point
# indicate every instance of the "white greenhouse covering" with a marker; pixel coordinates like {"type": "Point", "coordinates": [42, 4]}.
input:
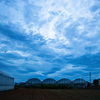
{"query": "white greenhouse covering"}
{"type": "Point", "coordinates": [6, 82]}
{"type": "Point", "coordinates": [49, 81]}
{"type": "Point", "coordinates": [64, 81]}
{"type": "Point", "coordinates": [81, 83]}
{"type": "Point", "coordinates": [33, 81]}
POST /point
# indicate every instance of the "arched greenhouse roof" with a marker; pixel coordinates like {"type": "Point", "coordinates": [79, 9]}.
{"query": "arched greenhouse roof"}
{"type": "Point", "coordinates": [5, 74]}
{"type": "Point", "coordinates": [49, 81]}
{"type": "Point", "coordinates": [79, 81]}
{"type": "Point", "coordinates": [34, 79]}
{"type": "Point", "coordinates": [64, 81]}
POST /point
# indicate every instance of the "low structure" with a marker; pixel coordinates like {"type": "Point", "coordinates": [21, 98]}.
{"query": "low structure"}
{"type": "Point", "coordinates": [62, 83]}
{"type": "Point", "coordinates": [99, 81]}
{"type": "Point", "coordinates": [33, 81]}
{"type": "Point", "coordinates": [6, 82]}
{"type": "Point", "coordinates": [65, 82]}
{"type": "Point", "coordinates": [79, 83]}
{"type": "Point", "coordinates": [96, 82]}
{"type": "Point", "coordinates": [49, 81]}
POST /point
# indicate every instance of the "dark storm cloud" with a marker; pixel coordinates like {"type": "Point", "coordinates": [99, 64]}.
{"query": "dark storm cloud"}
{"type": "Point", "coordinates": [89, 60]}
{"type": "Point", "coordinates": [10, 56]}
{"type": "Point", "coordinates": [5, 66]}
{"type": "Point", "coordinates": [32, 41]}
{"type": "Point", "coordinates": [7, 31]}
{"type": "Point", "coordinates": [53, 70]}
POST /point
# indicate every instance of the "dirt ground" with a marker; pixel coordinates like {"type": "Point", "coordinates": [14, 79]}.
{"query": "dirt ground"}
{"type": "Point", "coordinates": [50, 94]}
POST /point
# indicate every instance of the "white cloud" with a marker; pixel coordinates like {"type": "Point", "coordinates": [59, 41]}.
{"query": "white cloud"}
{"type": "Point", "coordinates": [14, 12]}
{"type": "Point", "coordinates": [23, 54]}
{"type": "Point", "coordinates": [50, 15]}
{"type": "Point", "coordinates": [68, 26]}
{"type": "Point", "coordinates": [67, 69]}
{"type": "Point", "coordinates": [36, 73]}
{"type": "Point", "coordinates": [54, 13]}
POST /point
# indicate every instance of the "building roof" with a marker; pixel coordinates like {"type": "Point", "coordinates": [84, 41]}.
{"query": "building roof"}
{"type": "Point", "coordinates": [34, 79]}
{"type": "Point", "coordinates": [49, 79]}
{"type": "Point", "coordinates": [3, 73]}
{"type": "Point", "coordinates": [79, 80]}
{"type": "Point", "coordinates": [64, 79]}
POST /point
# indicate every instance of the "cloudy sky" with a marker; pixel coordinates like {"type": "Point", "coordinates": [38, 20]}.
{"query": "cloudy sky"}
{"type": "Point", "coordinates": [50, 39]}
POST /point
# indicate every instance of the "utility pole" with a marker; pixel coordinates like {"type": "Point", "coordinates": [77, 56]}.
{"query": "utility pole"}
{"type": "Point", "coordinates": [90, 77]}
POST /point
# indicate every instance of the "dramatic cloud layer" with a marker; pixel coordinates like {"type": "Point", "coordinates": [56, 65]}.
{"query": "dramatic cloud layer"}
{"type": "Point", "coordinates": [50, 38]}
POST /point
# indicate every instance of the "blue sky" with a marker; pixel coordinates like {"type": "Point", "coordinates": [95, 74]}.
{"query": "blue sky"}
{"type": "Point", "coordinates": [50, 39]}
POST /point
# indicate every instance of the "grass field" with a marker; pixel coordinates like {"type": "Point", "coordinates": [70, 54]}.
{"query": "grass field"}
{"type": "Point", "coordinates": [50, 94]}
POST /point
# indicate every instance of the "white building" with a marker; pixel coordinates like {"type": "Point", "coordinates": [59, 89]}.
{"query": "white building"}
{"type": "Point", "coordinates": [99, 81]}
{"type": "Point", "coordinates": [6, 82]}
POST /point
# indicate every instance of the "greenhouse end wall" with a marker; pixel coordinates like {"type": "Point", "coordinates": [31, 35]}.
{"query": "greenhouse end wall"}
{"type": "Point", "coordinates": [6, 82]}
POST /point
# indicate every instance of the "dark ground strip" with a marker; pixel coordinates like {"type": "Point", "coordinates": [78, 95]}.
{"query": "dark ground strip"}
{"type": "Point", "coordinates": [49, 94]}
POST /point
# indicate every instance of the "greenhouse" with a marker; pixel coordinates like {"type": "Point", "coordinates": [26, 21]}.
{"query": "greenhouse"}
{"type": "Point", "coordinates": [99, 81]}
{"type": "Point", "coordinates": [33, 81]}
{"type": "Point", "coordinates": [49, 81]}
{"type": "Point", "coordinates": [65, 81]}
{"type": "Point", "coordinates": [6, 82]}
{"type": "Point", "coordinates": [79, 83]}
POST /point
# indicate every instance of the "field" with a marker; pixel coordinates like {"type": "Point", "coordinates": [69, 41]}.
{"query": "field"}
{"type": "Point", "coordinates": [50, 94]}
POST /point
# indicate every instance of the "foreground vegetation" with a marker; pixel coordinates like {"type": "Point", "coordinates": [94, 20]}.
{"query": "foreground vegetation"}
{"type": "Point", "coordinates": [50, 86]}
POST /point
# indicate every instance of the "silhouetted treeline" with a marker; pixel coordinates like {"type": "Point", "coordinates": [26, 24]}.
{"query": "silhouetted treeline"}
{"type": "Point", "coordinates": [50, 86]}
{"type": "Point", "coordinates": [95, 82]}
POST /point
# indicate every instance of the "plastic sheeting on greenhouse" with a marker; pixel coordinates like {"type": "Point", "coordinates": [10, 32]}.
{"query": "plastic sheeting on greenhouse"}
{"type": "Point", "coordinates": [6, 82]}
{"type": "Point", "coordinates": [81, 83]}
{"type": "Point", "coordinates": [64, 81]}
{"type": "Point", "coordinates": [49, 81]}
{"type": "Point", "coordinates": [33, 81]}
